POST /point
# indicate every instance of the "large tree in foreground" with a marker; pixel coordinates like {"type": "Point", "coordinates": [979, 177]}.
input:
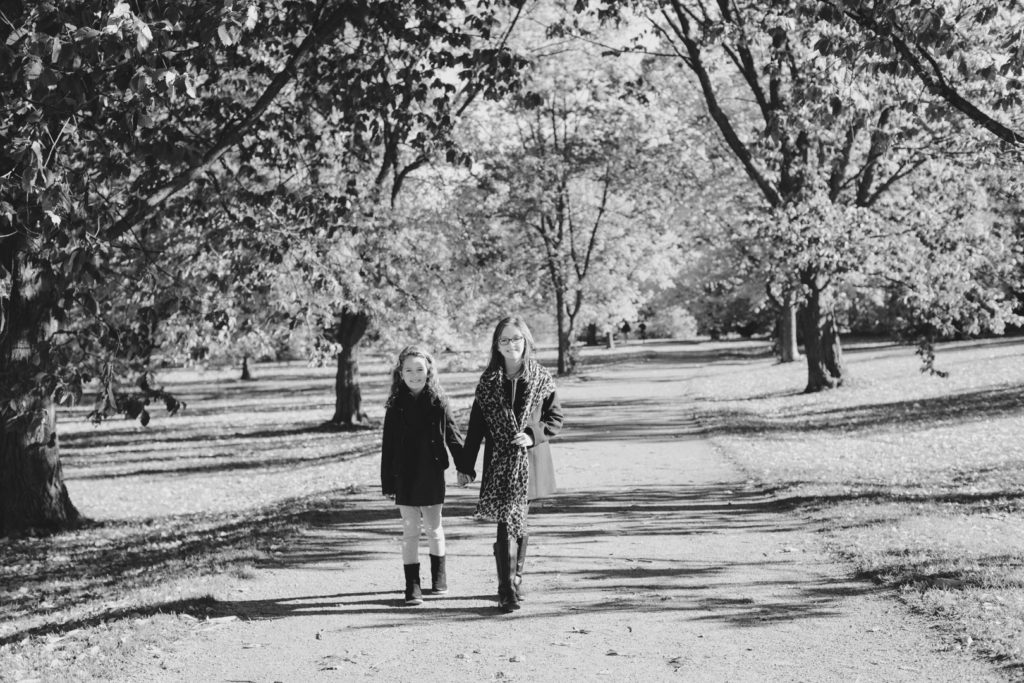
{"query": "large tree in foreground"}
{"type": "Point", "coordinates": [110, 116]}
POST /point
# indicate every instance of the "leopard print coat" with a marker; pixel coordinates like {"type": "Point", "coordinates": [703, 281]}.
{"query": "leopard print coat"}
{"type": "Point", "coordinates": [503, 491]}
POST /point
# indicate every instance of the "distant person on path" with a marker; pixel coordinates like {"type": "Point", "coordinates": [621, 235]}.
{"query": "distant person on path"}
{"type": "Point", "coordinates": [609, 336]}
{"type": "Point", "coordinates": [517, 411]}
{"type": "Point", "coordinates": [626, 329]}
{"type": "Point", "coordinates": [417, 425]}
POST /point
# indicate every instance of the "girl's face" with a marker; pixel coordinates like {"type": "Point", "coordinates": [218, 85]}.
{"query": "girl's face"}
{"type": "Point", "coordinates": [511, 343]}
{"type": "Point", "coordinates": [414, 373]}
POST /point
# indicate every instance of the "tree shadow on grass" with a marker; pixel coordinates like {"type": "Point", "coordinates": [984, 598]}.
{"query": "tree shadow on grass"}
{"type": "Point", "coordinates": [229, 463]}
{"type": "Point", "coordinates": [992, 571]}
{"type": "Point", "coordinates": [1009, 500]}
{"type": "Point", "coordinates": [99, 562]}
{"type": "Point", "coordinates": [219, 435]}
{"type": "Point", "coordinates": [239, 451]}
{"type": "Point", "coordinates": [200, 608]}
{"type": "Point", "coordinates": [956, 408]}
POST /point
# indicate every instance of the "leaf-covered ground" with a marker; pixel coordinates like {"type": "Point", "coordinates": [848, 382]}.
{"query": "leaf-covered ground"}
{"type": "Point", "coordinates": [917, 480]}
{"type": "Point", "coordinates": [209, 493]}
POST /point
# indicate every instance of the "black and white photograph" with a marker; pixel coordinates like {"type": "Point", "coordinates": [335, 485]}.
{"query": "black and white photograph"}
{"type": "Point", "coordinates": [434, 341]}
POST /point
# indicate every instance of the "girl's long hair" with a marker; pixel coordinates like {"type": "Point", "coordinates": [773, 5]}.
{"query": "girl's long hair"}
{"type": "Point", "coordinates": [497, 360]}
{"type": "Point", "coordinates": [433, 386]}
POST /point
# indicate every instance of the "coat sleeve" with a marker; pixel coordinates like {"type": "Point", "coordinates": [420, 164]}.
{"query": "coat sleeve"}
{"type": "Point", "coordinates": [550, 422]}
{"type": "Point", "coordinates": [388, 472]}
{"type": "Point", "coordinates": [453, 437]}
{"type": "Point", "coordinates": [474, 437]}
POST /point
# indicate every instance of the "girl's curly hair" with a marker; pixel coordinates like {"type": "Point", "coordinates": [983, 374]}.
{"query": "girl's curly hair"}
{"type": "Point", "coordinates": [433, 386]}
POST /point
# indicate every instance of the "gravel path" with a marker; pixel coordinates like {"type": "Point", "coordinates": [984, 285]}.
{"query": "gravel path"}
{"type": "Point", "coordinates": [656, 562]}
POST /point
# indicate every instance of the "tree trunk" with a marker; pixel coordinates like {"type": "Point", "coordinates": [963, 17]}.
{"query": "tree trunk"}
{"type": "Point", "coordinates": [789, 351]}
{"type": "Point", "coordinates": [567, 356]}
{"type": "Point", "coordinates": [348, 331]}
{"type": "Point", "coordinates": [33, 496]}
{"type": "Point", "coordinates": [563, 341]}
{"type": "Point", "coordinates": [825, 369]}
{"type": "Point", "coordinates": [832, 350]}
{"type": "Point", "coordinates": [246, 375]}
{"type": "Point", "coordinates": [32, 491]}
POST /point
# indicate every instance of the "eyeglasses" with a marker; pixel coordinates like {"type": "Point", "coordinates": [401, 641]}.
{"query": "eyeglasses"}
{"type": "Point", "coordinates": [506, 341]}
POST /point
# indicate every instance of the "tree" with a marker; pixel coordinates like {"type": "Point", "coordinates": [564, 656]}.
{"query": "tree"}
{"type": "Point", "coordinates": [579, 166]}
{"type": "Point", "coordinates": [109, 118]}
{"type": "Point", "coordinates": [967, 54]}
{"type": "Point", "coordinates": [431, 88]}
{"type": "Point", "coordinates": [845, 133]}
{"type": "Point", "coordinates": [956, 263]}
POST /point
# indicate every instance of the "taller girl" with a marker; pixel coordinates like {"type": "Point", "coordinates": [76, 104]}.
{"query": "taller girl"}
{"type": "Point", "coordinates": [517, 410]}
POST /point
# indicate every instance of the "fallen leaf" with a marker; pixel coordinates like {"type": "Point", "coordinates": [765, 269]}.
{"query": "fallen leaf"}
{"type": "Point", "coordinates": [221, 620]}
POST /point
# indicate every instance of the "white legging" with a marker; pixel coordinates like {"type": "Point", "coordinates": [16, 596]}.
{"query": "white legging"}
{"type": "Point", "coordinates": [431, 516]}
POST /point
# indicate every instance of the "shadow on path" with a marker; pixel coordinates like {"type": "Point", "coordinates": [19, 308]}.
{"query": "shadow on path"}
{"type": "Point", "coordinates": [577, 532]}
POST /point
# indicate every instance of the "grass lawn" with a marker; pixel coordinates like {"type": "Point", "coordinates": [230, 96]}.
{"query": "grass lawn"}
{"type": "Point", "coordinates": [918, 481]}
{"type": "Point", "coordinates": [915, 480]}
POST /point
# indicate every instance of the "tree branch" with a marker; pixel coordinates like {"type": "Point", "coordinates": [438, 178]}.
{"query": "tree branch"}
{"type": "Point", "coordinates": [744, 60]}
{"type": "Point", "coordinates": [719, 116]}
{"type": "Point", "coordinates": [903, 171]}
{"type": "Point", "coordinates": [606, 191]}
{"type": "Point", "coordinates": [233, 132]}
{"type": "Point", "coordinates": [934, 79]}
{"type": "Point", "coordinates": [839, 166]}
{"type": "Point", "coordinates": [879, 142]}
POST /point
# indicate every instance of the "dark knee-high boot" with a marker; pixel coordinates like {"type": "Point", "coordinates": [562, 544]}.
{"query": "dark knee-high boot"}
{"type": "Point", "coordinates": [517, 580]}
{"type": "Point", "coordinates": [438, 575]}
{"type": "Point", "coordinates": [413, 593]}
{"type": "Point", "coordinates": [506, 564]}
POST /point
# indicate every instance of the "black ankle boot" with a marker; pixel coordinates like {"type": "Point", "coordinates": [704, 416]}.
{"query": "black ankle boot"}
{"type": "Point", "coordinates": [413, 593]}
{"type": "Point", "coordinates": [506, 564]}
{"type": "Point", "coordinates": [438, 577]}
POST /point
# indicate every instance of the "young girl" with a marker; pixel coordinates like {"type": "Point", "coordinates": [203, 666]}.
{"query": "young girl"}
{"type": "Point", "coordinates": [516, 408]}
{"type": "Point", "coordinates": [417, 426]}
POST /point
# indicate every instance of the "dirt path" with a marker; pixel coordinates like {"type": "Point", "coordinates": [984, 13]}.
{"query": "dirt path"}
{"type": "Point", "coordinates": [656, 562]}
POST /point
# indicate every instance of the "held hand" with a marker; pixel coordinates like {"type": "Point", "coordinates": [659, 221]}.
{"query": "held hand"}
{"type": "Point", "coordinates": [522, 439]}
{"type": "Point", "coordinates": [464, 479]}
